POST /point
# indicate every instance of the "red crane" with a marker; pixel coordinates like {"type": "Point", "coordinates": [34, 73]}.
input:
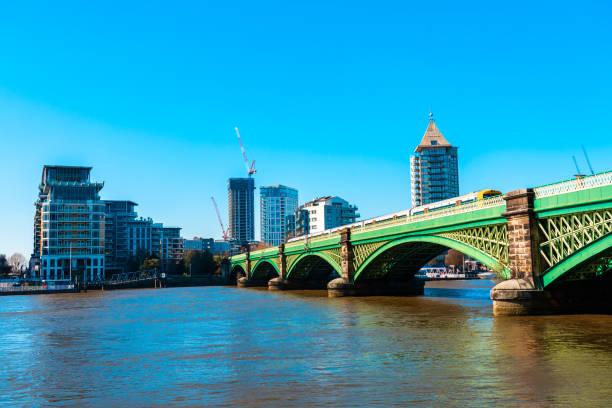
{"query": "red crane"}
{"type": "Point", "coordinates": [250, 170]}
{"type": "Point", "coordinates": [219, 218]}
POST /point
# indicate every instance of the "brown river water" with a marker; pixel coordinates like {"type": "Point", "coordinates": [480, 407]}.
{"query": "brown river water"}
{"type": "Point", "coordinates": [230, 347]}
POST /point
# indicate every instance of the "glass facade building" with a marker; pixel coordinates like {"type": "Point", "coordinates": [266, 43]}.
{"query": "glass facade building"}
{"type": "Point", "coordinates": [434, 170]}
{"type": "Point", "coordinates": [127, 236]}
{"type": "Point", "coordinates": [69, 226]}
{"type": "Point", "coordinates": [117, 246]}
{"type": "Point", "coordinates": [77, 235]}
{"type": "Point", "coordinates": [276, 203]}
{"type": "Point", "coordinates": [241, 210]}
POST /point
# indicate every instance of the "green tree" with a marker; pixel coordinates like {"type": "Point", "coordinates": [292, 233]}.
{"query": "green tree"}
{"type": "Point", "coordinates": [179, 268]}
{"type": "Point", "coordinates": [5, 267]}
{"type": "Point", "coordinates": [135, 261]}
{"type": "Point", "coordinates": [192, 261]}
{"type": "Point", "coordinates": [209, 266]}
{"type": "Point", "coordinates": [200, 263]}
{"type": "Point", "coordinates": [150, 263]}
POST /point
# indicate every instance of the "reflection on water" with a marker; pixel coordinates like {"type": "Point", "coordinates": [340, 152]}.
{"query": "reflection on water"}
{"type": "Point", "coordinates": [247, 347]}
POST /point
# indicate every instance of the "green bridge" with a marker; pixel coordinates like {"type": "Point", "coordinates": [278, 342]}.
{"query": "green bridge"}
{"type": "Point", "coordinates": [552, 245]}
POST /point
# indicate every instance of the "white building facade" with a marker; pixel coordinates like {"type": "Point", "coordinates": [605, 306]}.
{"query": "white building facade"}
{"type": "Point", "coordinates": [328, 212]}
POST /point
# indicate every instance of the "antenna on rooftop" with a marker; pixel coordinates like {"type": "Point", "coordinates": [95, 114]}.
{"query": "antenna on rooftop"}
{"type": "Point", "coordinates": [586, 156]}
{"type": "Point", "coordinates": [579, 174]}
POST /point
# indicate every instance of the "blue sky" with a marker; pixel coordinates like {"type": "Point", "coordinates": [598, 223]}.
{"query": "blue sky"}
{"type": "Point", "coordinates": [330, 97]}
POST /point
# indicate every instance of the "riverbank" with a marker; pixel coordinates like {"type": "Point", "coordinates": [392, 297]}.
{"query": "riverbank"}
{"type": "Point", "coordinates": [33, 290]}
{"type": "Point", "coordinates": [170, 281]}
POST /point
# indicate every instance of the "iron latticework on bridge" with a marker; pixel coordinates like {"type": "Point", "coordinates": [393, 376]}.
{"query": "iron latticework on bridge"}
{"type": "Point", "coordinates": [565, 229]}
{"type": "Point", "coordinates": [563, 235]}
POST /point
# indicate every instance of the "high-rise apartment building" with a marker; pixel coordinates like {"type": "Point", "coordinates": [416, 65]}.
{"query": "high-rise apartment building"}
{"type": "Point", "coordinates": [171, 247]}
{"type": "Point", "coordinates": [324, 213]}
{"type": "Point", "coordinates": [241, 211]}
{"type": "Point", "coordinates": [117, 243]}
{"type": "Point", "coordinates": [78, 235]}
{"type": "Point", "coordinates": [302, 222]}
{"type": "Point", "coordinates": [199, 244]}
{"type": "Point", "coordinates": [69, 226]}
{"type": "Point", "coordinates": [277, 202]}
{"type": "Point", "coordinates": [433, 168]}
{"type": "Point", "coordinates": [128, 237]}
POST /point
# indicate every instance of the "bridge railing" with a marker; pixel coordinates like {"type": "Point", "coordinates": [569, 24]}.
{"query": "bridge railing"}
{"type": "Point", "coordinates": [477, 205]}
{"type": "Point", "coordinates": [133, 276]}
{"type": "Point", "coordinates": [443, 212]}
{"type": "Point", "coordinates": [582, 183]}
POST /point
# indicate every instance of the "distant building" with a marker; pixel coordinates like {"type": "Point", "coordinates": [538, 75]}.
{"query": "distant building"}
{"type": "Point", "coordinates": [290, 225]}
{"type": "Point", "coordinates": [69, 225]}
{"type": "Point", "coordinates": [241, 212]}
{"type": "Point", "coordinates": [302, 222]}
{"type": "Point", "coordinates": [78, 235]}
{"type": "Point", "coordinates": [140, 237]}
{"type": "Point", "coordinates": [433, 168]}
{"type": "Point", "coordinates": [199, 244]}
{"type": "Point", "coordinates": [324, 213]}
{"type": "Point", "coordinates": [276, 203]}
{"type": "Point", "coordinates": [118, 215]}
{"type": "Point", "coordinates": [129, 237]}
{"type": "Point", "coordinates": [221, 247]}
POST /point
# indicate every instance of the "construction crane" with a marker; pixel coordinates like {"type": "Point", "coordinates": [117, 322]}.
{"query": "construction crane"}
{"type": "Point", "coordinates": [250, 170]}
{"type": "Point", "coordinates": [587, 159]}
{"type": "Point", "coordinates": [225, 233]}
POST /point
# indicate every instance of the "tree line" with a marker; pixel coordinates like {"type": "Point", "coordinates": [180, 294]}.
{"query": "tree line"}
{"type": "Point", "coordinates": [13, 265]}
{"type": "Point", "coordinates": [193, 263]}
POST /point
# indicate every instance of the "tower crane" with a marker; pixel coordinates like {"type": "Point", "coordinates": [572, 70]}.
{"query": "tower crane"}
{"type": "Point", "coordinates": [225, 233]}
{"type": "Point", "coordinates": [250, 170]}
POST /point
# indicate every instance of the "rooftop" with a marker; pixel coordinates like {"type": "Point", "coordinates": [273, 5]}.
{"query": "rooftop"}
{"type": "Point", "coordinates": [278, 186]}
{"type": "Point", "coordinates": [432, 138]}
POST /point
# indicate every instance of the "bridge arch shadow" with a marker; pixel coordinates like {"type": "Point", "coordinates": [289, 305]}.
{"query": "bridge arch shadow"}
{"type": "Point", "coordinates": [264, 270]}
{"type": "Point", "coordinates": [402, 258]}
{"type": "Point", "coordinates": [314, 267]}
{"type": "Point", "coordinates": [236, 273]}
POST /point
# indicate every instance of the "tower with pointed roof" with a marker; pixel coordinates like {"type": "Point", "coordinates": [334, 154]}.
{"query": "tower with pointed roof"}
{"type": "Point", "coordinates": [434, 171]}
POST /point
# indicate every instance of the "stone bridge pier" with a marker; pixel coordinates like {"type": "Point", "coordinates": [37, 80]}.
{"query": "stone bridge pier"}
{"type": "Point", "coordinates": [281, 282]}
{"type": "Point", "coordinates": [520, 295]}
{"type": "Point", "coordinates": [244, 281]}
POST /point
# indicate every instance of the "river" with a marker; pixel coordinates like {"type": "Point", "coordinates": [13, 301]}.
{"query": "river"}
{"type": "Point", "coordinates": [230, 347]}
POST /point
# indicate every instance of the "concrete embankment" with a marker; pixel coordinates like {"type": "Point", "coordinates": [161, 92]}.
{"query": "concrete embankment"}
{"type": "Point", "coordinates": [36, 292]}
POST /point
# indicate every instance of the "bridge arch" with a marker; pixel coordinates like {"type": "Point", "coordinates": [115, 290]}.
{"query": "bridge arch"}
{"type": "Point", "coordinates": [421, 249]}
{"type": "Point", "coordinates": [580, 258]}
{"type": "Point", "coordinates": [236, 272]}
{"type": "Point", "coordinates": [264, 269]}
{"type": "Point", "coordinates": [313, 266]}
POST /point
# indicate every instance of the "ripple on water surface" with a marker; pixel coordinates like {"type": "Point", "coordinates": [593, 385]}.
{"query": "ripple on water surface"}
{"type": "Point", "coordinates": [222, 346]}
